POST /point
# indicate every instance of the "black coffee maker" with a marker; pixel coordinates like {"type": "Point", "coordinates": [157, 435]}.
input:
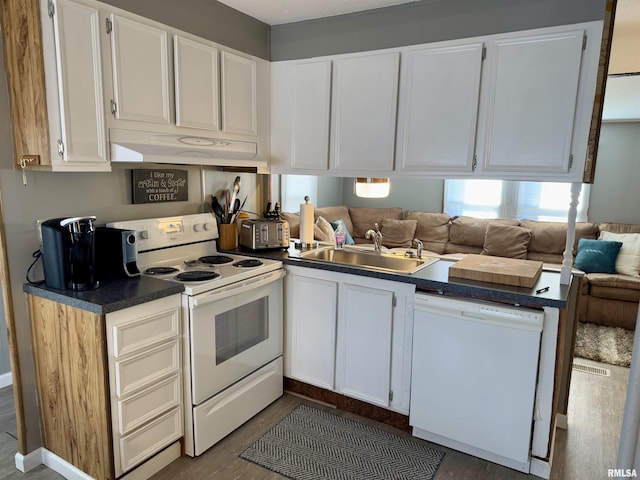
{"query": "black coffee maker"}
{"type": "Point", "coordinates": [68, 253]}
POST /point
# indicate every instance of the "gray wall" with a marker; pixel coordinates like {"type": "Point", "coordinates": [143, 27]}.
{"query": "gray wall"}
{"type": "Point", "coordinates": [208, 19]}
{"type": "Point", "coordinates": [615, 196]}
{"type": "Point", "coordinates": [424, 22]}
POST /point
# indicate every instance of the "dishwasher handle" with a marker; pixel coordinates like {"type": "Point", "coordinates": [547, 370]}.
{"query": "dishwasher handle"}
{"type": "Point", "coordinates": [479, 312]}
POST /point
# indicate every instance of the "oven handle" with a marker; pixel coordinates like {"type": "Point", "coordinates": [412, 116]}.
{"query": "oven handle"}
{"type": "Point", "coordinates": [237, 288]}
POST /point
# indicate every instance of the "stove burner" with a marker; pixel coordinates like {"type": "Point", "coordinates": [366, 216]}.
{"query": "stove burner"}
{"type": "Point", "coordinates": [215, 259]}
{"type": "Point", "coordinates": [254, 262]}
{"type": "Point", "coordinates": [160, 270]}
{"type": "Point", "coordinates": [197, 276]}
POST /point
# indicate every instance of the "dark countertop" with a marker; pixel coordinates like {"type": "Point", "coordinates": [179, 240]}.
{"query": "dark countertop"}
{"type": "Point", "coordinates": [435, 279]}
{"type": "Point", "coordinates": [111, 295]}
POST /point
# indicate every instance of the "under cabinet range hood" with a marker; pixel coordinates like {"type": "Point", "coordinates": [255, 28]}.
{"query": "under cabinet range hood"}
{"type": "Point", "coordinates": [142, 146]}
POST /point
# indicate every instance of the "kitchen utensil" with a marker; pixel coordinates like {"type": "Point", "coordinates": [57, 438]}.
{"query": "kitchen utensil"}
{"type": "Point", "coordinates": [236, 211]}
{"type": "Point", "coordinates": [217, 208]}
{"type": "Point", "coordinates": [236, 189]}
{"type": "Point", "coordinates": [227, 204]}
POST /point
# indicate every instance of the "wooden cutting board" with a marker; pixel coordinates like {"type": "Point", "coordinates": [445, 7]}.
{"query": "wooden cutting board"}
{"type": "Point", "coordinates": [507, 271]}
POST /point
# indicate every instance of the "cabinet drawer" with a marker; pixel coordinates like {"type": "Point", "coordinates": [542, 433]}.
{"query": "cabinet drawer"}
{"type": "Point", "coordinates": [149, 366]}
{"type": "Point", "coordinates": [131, 336]}
{"type": "Point", "coordinates": [140, 445]}
{"type": "Point", "coordinates": [149, 403]}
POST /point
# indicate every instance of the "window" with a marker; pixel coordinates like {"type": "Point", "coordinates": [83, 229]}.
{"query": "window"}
{"type": "Point", "coordinates": [295, 188]}
{"type": "Point", "coordinates": [546, 201]}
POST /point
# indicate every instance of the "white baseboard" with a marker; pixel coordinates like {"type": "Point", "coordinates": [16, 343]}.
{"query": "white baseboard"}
{"type": "Point", "coordinates": [6, 379]}
{"type": "Point", "coordinates": [28, 462]}
{"type": "Point", "coordinates": [540, 468]}
{"type": "Point", "coordinates": [42, 456]}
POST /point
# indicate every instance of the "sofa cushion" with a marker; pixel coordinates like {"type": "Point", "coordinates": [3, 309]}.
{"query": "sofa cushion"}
{"type": "Point", "coordinates": [506, 241]}
{"type": "Point", "coordinates": [466, 234]}
{"type": "Point", "coordinates": [432, 229]}
{"type": "Point", "coordinates": [331, 214]}
{"type": "Point", "coordinates": [294, 223]}
{"type": "Point", "coordinates": [327, 230]}
{"type": "Point", "coordinates": [398, 233]}
{"type": "Point", "coordinates": [619, 227]}
{"type": "Point", "coordinates": [612, 280]}
{"type": "Point", "coordinates": [597, 256]}
{"type": "Point", "coordinates": [364, 218]}
{"type": "Point", "coordinates": [628, 261]}
{"type": "Point", "coordinates": [550, 237]}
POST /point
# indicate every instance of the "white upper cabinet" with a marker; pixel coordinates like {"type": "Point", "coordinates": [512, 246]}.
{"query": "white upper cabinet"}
{"type": "Point", "coordinates": [438, 108]}
{"type": "Point", "coordinates": [80, 90]}
{"type": "Point", "coordinates": [239, 102]}
{"type": "Point", "coordinates": [196, 84]}
{"type": "Point", "coordinates": [140, 65]}
{"type": "Point", "coordinates": [530, 103]}
{"type": "Point", "coordinates": [300, 116]}
{"type": "Point", "coordinates": [363, 117]}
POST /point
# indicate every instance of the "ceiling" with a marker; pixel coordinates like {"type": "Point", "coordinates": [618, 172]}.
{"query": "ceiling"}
{"type": "Point", "coordinates": [276, 12]}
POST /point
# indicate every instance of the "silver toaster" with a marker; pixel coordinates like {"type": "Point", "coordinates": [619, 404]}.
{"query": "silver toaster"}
{"type": "Point", "coordinates": [259, 233]}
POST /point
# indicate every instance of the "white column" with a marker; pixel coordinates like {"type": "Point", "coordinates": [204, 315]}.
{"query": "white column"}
{"type": "Point", "coordinates": [567, 261]}
{"type": "Point", "coordinates": [628, 450]}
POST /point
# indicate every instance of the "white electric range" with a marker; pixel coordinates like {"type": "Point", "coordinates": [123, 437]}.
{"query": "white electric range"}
{"type": "Point", "coordinates": [232, 310]}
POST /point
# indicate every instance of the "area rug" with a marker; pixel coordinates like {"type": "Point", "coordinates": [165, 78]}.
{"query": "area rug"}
{"type": "Point", "coordinates": [314, 444]}
{"type": "Point", "coordinates": [612, 345]}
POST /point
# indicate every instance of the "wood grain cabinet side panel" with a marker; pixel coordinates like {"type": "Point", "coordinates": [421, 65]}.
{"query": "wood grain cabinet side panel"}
{"type": "Point", "coordinates": [22, 42]}
{"type": "Point", "coordinates": [69, 349]}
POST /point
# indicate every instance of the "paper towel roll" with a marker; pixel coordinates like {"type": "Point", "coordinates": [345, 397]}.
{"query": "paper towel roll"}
{"type": "Point", "coordinates": [306, 223]}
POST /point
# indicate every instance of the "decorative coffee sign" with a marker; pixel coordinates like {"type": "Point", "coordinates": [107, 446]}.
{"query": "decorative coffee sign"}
{"type": "Point", "coordinates": [155, 186]}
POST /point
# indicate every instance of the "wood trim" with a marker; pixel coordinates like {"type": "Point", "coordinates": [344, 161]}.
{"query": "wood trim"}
{"type": "Point", "coordinates": [14, 358]}
{"type": "Point", "coordinates": [601, 84]}
{"type": "Point", "coordinates": [70, 356]}
{"type": "Point", "coordinates": [24, 62]}
{"type": "Point", "coordinates": [348, 404]}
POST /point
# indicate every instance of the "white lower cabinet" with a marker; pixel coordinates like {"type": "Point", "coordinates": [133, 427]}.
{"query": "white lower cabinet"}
{"type": "Point", "coordinates": [145, 380]}
{"type": "Point", "coordinates": [351, 334]}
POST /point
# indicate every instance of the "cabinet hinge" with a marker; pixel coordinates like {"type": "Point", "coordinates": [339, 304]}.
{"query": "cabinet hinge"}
{"type": "Point", "coordinates": [484, 53]}
{"type": "Point", "coordinates": [394, 301]}
{"type": "Point", "coordinates": [51, 9]}
{"type": "Point", "coordinates": [60, 148]}
{"type": "Point", "coordinates": [390, 395]}
{"type": "Point", "coordinates": [584, 42]}
{"type": "Point", "coordinates": [114, 107]}
{"type": "Point", "coordinates": [475, 163]}
{"type": "Point", "coordinates": [570, 161]}
{"type": "Point", "coordinates": [109, 26]}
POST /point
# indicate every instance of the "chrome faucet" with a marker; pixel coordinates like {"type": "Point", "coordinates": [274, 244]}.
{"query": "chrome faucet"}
{"type": "Point", "coordinates": [376, 235]}
{"type": "Point", "coordinates": [419, 245]}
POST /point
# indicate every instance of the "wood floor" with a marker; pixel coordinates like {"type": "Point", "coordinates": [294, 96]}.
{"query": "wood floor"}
{"type": "Point", "coordinates": [584, 451]}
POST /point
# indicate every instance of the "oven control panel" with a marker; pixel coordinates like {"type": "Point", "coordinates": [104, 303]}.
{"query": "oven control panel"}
{"type": "Point", "coordinates": [164, 232]}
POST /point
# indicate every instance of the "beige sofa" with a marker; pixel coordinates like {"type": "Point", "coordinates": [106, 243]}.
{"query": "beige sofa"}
{"type": "Point", "coordinates": [606, 299]}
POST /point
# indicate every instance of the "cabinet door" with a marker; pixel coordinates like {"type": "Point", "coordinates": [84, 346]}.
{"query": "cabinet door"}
{"type": "Point", "coordinates": [196, 84]}
{"type": "Point", "coordinates": [438, 110]}
{"type": "Point", "coordinates": [140, 71]}
{"type": "Point", "coordinates": [530, 103]}
{"type": "Point", "coordinates": [364, 109]}
{"type": "Point", "coordinates": [239, 107]}
{"type": "Point", "coordinates": [311, 115]}
{"type": "Point", "coordinates": [311, 328]}
{"type": "Point", "coordinates": [363, 355]}
{"type": "Point", "coordinates": [77, 40]}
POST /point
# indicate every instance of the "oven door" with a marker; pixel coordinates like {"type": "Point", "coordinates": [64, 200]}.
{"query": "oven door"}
{"type": "Point", "coordinates": [234, 330]}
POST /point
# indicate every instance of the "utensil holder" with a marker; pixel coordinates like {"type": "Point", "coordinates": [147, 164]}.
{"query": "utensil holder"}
{"type": "Point", "coordinates": [228, 239]}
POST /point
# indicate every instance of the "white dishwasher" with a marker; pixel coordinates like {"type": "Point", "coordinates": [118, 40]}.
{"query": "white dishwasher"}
{"type": "Point", "coordinates": [473, 378]}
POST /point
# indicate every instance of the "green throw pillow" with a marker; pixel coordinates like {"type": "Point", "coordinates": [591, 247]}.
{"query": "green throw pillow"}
{"type": "Point", "coordinates": [597, 256]}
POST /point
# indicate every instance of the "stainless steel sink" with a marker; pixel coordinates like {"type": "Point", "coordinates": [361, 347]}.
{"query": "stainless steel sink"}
{"type": "Point", "coordinates": [388, 261]}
